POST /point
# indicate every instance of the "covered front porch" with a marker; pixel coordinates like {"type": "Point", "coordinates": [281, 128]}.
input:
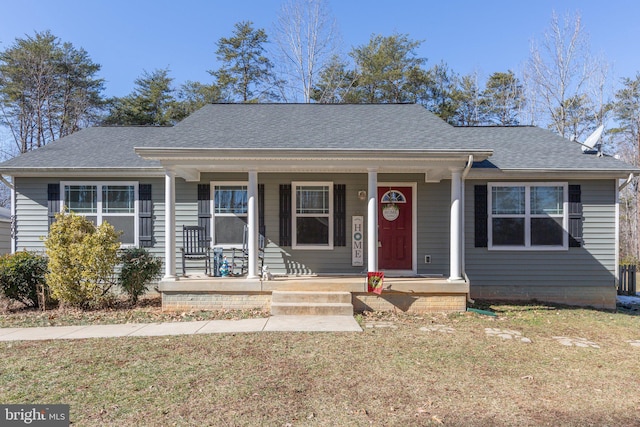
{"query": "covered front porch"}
{"type": "Point", "coordinates": [433, 166]}
{"type": "Point", "coordinates": [406, 288]}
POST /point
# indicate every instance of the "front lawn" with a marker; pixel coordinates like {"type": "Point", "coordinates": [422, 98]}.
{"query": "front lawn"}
{"type": "Point", "coordinates": [581, 367]}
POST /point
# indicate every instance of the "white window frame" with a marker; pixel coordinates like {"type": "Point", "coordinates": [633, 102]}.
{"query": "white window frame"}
{"type": "Point", "coordinates": [528, 216]}
{"type": "Point", "coordinates": [99, 214]}
{"type": "Point", "coordinates": [213, 185]}
{"type": "Point", "coordinates": [295, 215]}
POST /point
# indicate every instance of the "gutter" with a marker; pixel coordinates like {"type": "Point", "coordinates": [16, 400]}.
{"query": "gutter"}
{"type": "Point", "coordinates": [82, 172]}
{"type": "Point", "coordinates": [205, 154]}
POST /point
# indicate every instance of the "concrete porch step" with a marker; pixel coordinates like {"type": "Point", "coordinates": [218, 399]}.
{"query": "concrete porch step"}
{"type": "Point", "coordinates": [310, 309]}
{"type": "Point", "coordinates": [295, 303]}
{"type": "Point", "coordinates": [311, 296]}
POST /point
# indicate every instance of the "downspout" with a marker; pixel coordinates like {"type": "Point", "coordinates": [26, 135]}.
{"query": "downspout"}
{"type": "Point", "coordinates": [467, 168]}
{"type": "Point", "coordinates": [627, 182]}
{"type": "Point", "coordinates": [5, 182]}
{"type": "Point", "coordinates": [465, 172]}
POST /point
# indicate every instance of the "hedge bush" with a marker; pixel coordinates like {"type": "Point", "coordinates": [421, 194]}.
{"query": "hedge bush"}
{"type": "Point", "coordinates": [139, 268]}
{"type": "Point", "coordinates": [82, 258]}
{"type": "Point", "coordinates": [21, 274]}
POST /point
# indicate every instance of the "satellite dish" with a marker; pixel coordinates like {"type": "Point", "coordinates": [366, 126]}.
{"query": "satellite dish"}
{"type": "Point", "coordinates": [589, 145]}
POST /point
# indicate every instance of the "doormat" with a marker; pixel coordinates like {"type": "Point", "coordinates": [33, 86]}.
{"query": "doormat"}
{"type": "Point", "coordinates": [374, 282]}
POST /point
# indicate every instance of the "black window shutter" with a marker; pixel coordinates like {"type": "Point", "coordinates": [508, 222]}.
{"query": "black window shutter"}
{"type": "Point", "coordinates": [261, 227]}
{"type": "Point", "coordinates": [481, 216]}
{"type": "Point", "coordinates": [575, 216]}
{"type": "Point", "coordinates": [339, 215]}
{"type": "Point", "coordinates": [53, 202]}
{"type": "Point", "coordinates": [204, 208]}
{"type": "Point", "coordinates": [145, 214]}
{"type": "Point", "coordinates": [285, 214]}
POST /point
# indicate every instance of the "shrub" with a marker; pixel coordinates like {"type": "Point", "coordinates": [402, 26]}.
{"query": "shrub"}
{"type": "Point", "coordinates": [20, 275]}
{"type": "Point", "coordinates": [139, 268]}
{"type": "Point", "coordinates": [82, 258]}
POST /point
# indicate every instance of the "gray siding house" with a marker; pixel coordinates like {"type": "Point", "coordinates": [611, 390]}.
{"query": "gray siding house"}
{"type": "Point", "coordinates": [321, 195]}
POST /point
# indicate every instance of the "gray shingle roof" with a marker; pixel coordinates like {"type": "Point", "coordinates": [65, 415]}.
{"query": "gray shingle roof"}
{"type": "Point", "coordinates": [313, 126]}
{"type": "Point", "coordinates": [96, 147]}
{"type": "Point", "coordinates": [528, 147]}
{"type": "Point", "coordinates": [300, 126]}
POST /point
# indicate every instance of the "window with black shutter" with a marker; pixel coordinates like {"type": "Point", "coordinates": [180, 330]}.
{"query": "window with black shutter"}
{"type": "Point", "coordinates": [285, 214]}
{"type": "Point", "coordinates": [53, 202]}
{"type": "Point", "coordinates": [526, 215]}
{"type": "Point", "coordinates": [339, 215]}
{"type": "Point", "coordinates": [481, 217]}
{"type": "Point", "coordinates": [575, 216]}
{"type": "Point", "coordinates": [204, 207]}
{"type": "Point", "coordinates": [145, 214]}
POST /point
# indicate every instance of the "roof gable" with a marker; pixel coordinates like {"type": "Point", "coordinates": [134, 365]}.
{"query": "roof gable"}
{"type": "Point", "coordinates": [316, 126]}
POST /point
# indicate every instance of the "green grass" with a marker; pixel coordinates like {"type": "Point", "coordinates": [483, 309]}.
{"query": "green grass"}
{"type": "Point", "coordinates": [396, 375]}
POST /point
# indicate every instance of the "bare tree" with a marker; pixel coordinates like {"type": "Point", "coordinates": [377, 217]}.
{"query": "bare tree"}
{"type": "Point", "coordinates": [560, 70]}
{"type": "Point", "coordinates": [48, 90]}
{"type": "Point", "coordinates": [307, 39]}
{"type": "Point", "coordinates": [626, 110]}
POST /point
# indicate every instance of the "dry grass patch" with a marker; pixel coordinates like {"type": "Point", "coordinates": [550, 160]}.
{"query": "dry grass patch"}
{"type": "Point", "coordinates": [148, 310]}
{"type": "Point", "coordinates": [391, 376]}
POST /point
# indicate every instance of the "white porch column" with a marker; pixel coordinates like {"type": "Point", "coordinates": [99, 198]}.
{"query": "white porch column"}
{"type": "Point", "coordinates": [455, 235]}
{"type": "Point", "coordinates": [252, 224]}
{"type": "Point", "coordinates": [372, 221]}
{"type": "Point", "coordinates": [170, 224]}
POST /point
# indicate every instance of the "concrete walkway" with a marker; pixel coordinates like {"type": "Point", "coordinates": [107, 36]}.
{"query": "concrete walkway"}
{"type": "Point", "coordinates": [269, 324]}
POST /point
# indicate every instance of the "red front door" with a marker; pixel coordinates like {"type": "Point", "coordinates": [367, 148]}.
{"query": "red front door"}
{"type": "Point", "coordinates": [395, 231]}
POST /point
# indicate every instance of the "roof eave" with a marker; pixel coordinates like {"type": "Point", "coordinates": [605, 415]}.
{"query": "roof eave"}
{"type": "Point", "coordinates": [176, 154]}
{"type": "Point", "coordinates": [83, 172]}
{"type": "Point", "coordinates": [549, 173]}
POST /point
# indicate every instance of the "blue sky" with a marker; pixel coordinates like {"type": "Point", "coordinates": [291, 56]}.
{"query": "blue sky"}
{"type": "Point", "coordinates": [128, 37]}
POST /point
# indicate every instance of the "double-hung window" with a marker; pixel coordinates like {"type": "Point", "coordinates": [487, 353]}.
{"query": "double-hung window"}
{"type": "Point", "coordinates": [112, 202]}
{"type": "Point", "coordinates": [312, 215]}
{"type": "Point", "coordinates": [528, 216]}
{"type": "Point", "coordinates": [230, 209]}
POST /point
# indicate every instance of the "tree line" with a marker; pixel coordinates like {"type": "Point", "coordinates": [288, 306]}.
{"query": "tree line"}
{"type": "Point", "coordinates": [50, 88]}
{"type": "Point", "coordinates": [60, 92]}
